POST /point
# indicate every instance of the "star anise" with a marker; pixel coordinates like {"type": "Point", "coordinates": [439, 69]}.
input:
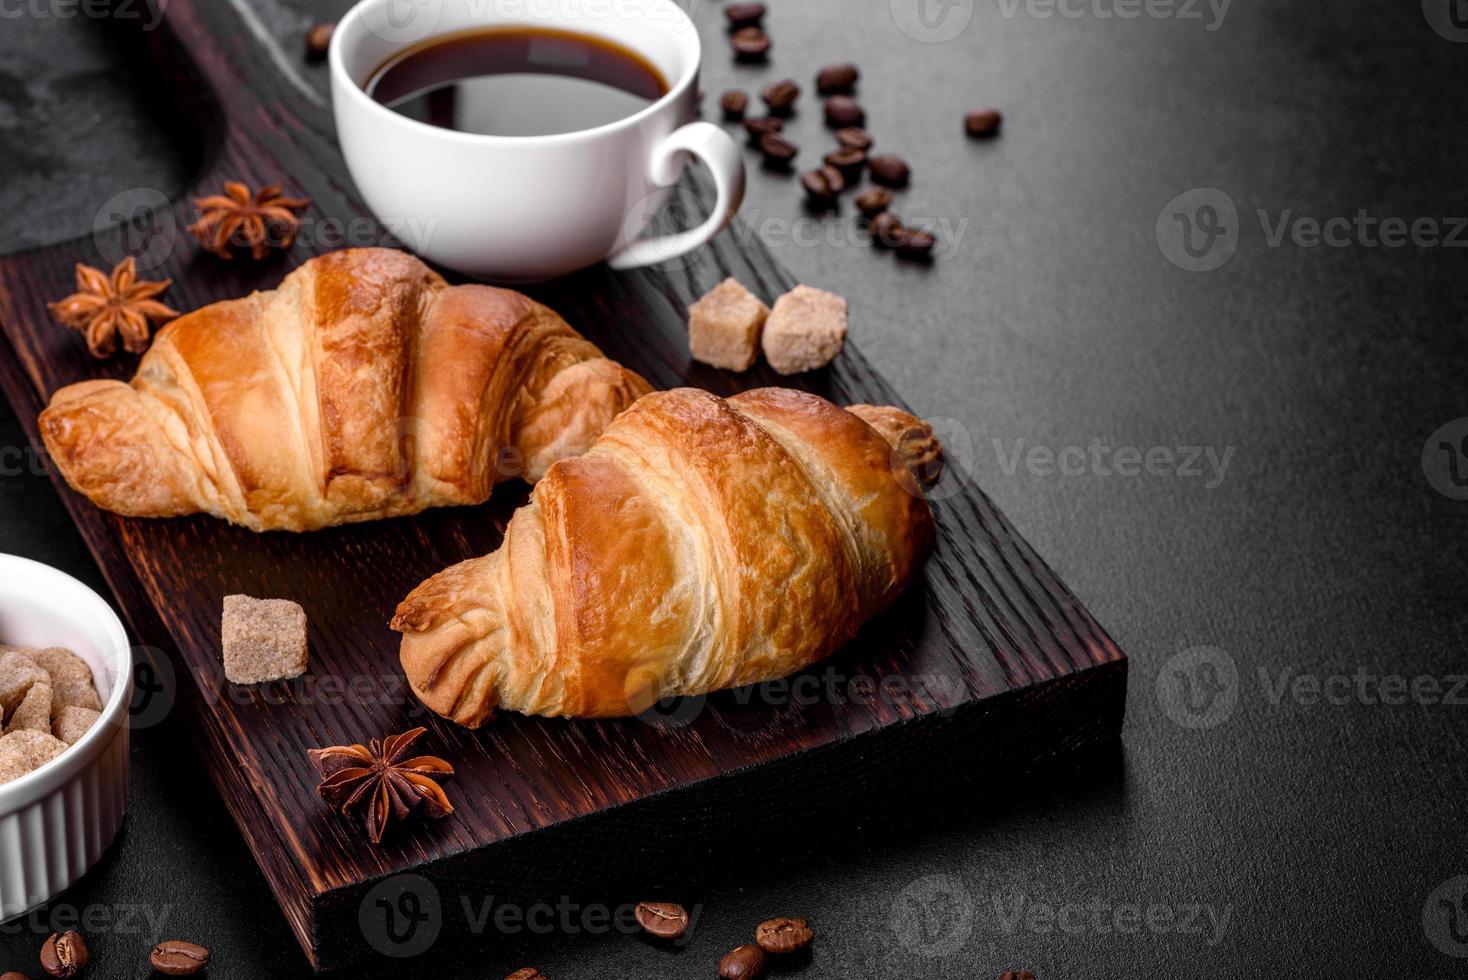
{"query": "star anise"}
{"type": "Point", "coordinates": [239, 219]}
{"type": "Point", "coordinates": [104, 306]}
{"type": "Point", "coordinates": [377, 782]}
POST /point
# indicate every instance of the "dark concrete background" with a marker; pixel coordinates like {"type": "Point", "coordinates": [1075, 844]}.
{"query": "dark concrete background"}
{"type": "Point", "coordinates": [1328, 830]}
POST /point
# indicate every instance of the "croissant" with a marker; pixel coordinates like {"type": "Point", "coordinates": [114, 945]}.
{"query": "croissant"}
{"type": "Point", "coordinates": [699, 544]}
{"type": "Point", "coordinates": [363, 387]}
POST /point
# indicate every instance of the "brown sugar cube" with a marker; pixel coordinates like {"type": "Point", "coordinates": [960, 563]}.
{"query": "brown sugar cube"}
{"type": "Point", "coordinates": [71, 679]}
{"type": "Point", "coordinates": [26, 751]}
{"type": "Point", "coordinates": [34, 712]}
{"type": "Point", "coordinates": [264, 639]}
{"type": "Point", "coordinates": [72, 723]}
{"type": "Point", "coordinates": [724, 326]}
{"type": "Point", "coordinates": [18, 674]}
{"type": "Point", "coordinates": [805, 330]}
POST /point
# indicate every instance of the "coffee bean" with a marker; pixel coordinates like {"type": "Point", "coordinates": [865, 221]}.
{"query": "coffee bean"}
{"type": "Point", "coordinates": [784, 936]}
{"type": "Point", "coordinates": [888, 170]}
{"type": "Point", "coordinates": [777, 150]}
{"type": "Point", "coordinates": [842, 111]}
{"type": "Point", "coordinates": [177, 958]}
{"type": "Point", "coordinates": [822, 186]}
{"type": "Point", "coordinates": [854, 137]}
{"type": "Point", "coordinates": [849, 161]}
{"type": "Point", "coordinates": [874, 201]}
{"type": "Point", "coordinates": [887, 230]}
{"type": "Point", "coordinates": [664, 920]}
{"type": "Point", "coordinates": [750, 44]}
{"type": "Point", "coordinates": [836, 79]}
{"type": "Point", "coordinates": [733, 102]}
{"type": "Point", "coordinates": [761, 125]}
{"type": "Point", "coordinates": [745, 14]}
{"type": "Point", "coordinates": [12, 975]}
{"type": "Point", "coordinates": [318, 40]}
{"type": "Point", "coordinates": [1016, 975]}
{"type": "Point", "coordinates": [528, 973]}
{"type": "Point", "coordinates": [914, 243]}
{"type": "Point", "coordinates": [982, 122]}
{"type": "Point", "coordinates": [780, 97]}
{"type": "Point", "coordinates": [744, 963]}
{"type": "Point", "coordinates": [64, 954]}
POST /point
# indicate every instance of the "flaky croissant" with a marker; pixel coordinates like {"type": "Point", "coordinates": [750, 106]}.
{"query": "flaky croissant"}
{"type": "Point", "coordinates": [363, 387]}
{"type": "Point", "coordinates": [699, 544]}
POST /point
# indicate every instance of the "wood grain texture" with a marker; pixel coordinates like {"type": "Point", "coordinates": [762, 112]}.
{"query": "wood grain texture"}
{"type": "Point", "coordinates": [990, 660]}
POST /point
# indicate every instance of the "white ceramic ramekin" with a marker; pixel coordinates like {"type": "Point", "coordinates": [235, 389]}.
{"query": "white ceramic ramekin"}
{"type": "Point", "coordinates": [56, 822]}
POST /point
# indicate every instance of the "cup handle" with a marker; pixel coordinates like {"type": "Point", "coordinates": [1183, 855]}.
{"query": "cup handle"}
{"type": "Point", "coordinates": [721, 154]}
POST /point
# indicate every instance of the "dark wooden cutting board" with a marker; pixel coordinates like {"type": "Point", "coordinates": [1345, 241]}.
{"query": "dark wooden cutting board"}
{"type": "Point", "coordinates": [989, 661]}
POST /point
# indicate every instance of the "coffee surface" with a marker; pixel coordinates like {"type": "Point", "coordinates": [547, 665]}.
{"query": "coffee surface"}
{"type": "Point", "coordinates": [517, 81]}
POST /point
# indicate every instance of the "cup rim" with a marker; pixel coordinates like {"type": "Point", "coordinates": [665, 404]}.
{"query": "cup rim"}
{"type": "Point", "coordinates": [19, 793]}
{"type": "Point", "coordinates": [352, 90]}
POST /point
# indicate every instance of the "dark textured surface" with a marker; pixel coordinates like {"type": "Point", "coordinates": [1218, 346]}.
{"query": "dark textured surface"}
{"type": "Point", "coordinates": [1320, 829]}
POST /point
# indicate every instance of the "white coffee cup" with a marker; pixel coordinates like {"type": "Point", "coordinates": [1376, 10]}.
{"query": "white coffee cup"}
{"type": "Point", "coordinates": [524, 208]}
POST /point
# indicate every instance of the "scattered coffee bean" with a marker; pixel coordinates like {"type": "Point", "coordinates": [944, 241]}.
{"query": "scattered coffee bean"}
{"type": "Point", "coordinates": [176, 958]}
{"type": "Point", "coordinates": [836, 79]}
{"type": "Point", "coordinates": [318, 40]}
{"type": "Point", "coordinates": [784, 936]}
{"type": "Point", "coordinates": [854, 137]}
{"type": "Point", "coordinates": [849, 161]}
{"type": "Point", "coordinates": [982, 122]}
{"type": "Point", "coordinates": [745, 14]}
{"type": "Point", "coordinates": [750, 44]}
{"type": "Point", "coordinates": [1016, 975]}
{"type": "Point", "coordinates": [873, 201]}
{"type": "Point", "coordinates": [777, 150]}
{"type": "Point", "coordinates": [760, 126]}
{"type": "Point", "coordinates": [733, 102]}
{"type": "Point", "coordinates": [12, 975]}
{"type": "Point", "coordinates": [914, 243]}
{"type": "Point", "coordinates": [889, 170]}
{"type": "Point", "coordinates": [780, 97]}
{"type": "Point", "coordinates": [823, 186]}
{"type": "Point", "coordinates": [64, 954]}
{"type": "Point", "coordinates": [744, 963]}
{"type": "Point", "coordinates": [528, 973]}
{"type": "Point", "coordinates": [664, 920]}
{"type": "Point", "coordinates": [842, 111]}
{"type": "Point", "coordinates": [887, 230]}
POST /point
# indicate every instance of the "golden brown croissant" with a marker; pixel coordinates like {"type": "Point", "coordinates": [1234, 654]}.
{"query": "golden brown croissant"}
{"type": "Point", "coordinates": [699, 544]}
{"type": "Point", "coordinates": [363, 387]}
